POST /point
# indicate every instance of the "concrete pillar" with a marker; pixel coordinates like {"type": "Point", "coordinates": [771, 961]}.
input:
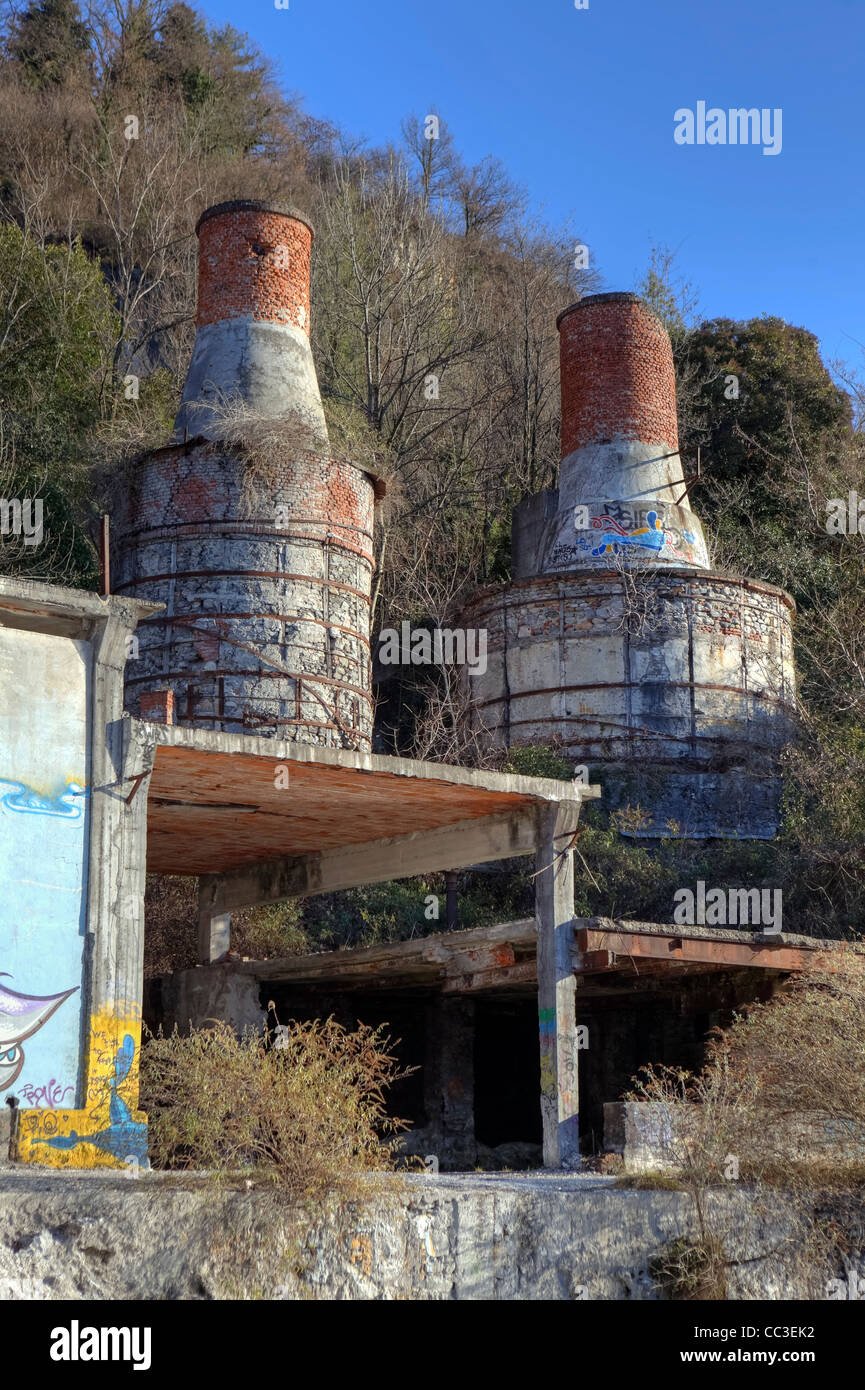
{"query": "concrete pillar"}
{"type": "Point", "coordinates": [449, 1081]}
{"type": "Point", "coordinates": [214, 925]}
{"type": "Point", "coordinates": [554, 909]}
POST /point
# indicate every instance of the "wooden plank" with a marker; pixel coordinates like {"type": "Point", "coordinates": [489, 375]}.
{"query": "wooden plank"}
{"type": "Point", "coordinates": [425, 957]}
{"type": "Point", "coordinates": [523, 972]}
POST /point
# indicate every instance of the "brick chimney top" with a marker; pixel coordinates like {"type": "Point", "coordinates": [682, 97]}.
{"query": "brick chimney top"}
{"type": "Point", "coordinates": [617, 375]}
{"type": "Point", "coordinates": [252, 352]}
{"type": "Point", "coordinates": [254, 262]}
{"type": "Point", "coordinates": [252, 205]}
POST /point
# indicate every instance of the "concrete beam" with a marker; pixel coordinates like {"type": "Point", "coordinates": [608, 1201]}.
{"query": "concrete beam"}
{"type": "Point", "coordinates": [328, 871]}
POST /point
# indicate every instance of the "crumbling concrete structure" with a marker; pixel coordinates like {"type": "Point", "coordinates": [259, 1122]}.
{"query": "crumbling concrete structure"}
{"type": "Point", "coordinates": [673, 682]}
{"type": "Point", "coordinates": [90, 797]}
{"type": "Point", "coordinates": [254, 538]}
{"type": "Point", "coordinates": [463, 1007]}
{"type": "Point", "coordinates": [335, 820]}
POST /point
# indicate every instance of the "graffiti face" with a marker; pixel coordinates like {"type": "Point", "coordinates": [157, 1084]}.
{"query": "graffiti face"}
{"type": "Point", "coordinates": [22, 1015]}
{"type": "Point", "coordinates": [11, 1063]}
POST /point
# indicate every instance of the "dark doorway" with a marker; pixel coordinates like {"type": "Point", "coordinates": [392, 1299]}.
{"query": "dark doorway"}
{"type": "Point", "coordinates": [507, 1072]}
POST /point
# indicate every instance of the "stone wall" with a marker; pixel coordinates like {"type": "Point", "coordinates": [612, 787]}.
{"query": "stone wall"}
{"type": "Point", "coordinates": [503, 1237]}
{"type": "Point", "coordinates": [676, 688]}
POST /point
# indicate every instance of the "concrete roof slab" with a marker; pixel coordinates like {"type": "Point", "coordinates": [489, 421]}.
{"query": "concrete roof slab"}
{"type": "Point", "coordinates": [220, 801]}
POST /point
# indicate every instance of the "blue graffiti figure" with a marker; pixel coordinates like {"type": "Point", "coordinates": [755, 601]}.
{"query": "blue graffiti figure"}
{"type": "Point", "coordinates": [123, 1137]}
{"type": "Point", "coordinates": [649, 537]}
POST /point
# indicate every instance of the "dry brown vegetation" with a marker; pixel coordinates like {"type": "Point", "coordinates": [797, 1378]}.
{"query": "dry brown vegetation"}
{"type": "Point", "coordinates": [304, 1108]}
{"type": "Point", "coordinates": [780, 1104]}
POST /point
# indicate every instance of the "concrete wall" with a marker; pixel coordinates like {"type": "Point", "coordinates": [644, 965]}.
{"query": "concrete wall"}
{"type": "Point", "coordinates": [45, 692]}
{"type": "Point", "coordinates": [194, 998]}
{"type": "Point", "coordinates": [652, 1138]}
{"type": "Point", "coordinates": [72, 865]}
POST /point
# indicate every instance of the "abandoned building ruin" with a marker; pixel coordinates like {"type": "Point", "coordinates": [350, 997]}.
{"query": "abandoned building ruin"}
{"type": "Point", "coordinates": [233, 743]}
{"type": "Point", "coordinates": [673, 683]}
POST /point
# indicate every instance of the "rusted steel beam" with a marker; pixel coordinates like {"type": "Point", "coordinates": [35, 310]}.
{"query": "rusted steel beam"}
{"type": "Point", "coordinates": [243, 574]}
{"type": "Point", "coordinates": [694, 949]}
{"type": "Point", "coordinates": [552, 581]}
{"type": "Point", "coordinates": [591, 961]}
{"type": "Point", "coordinates": [620, 685]}
{"type": "Point", "coordinates": [136, 783]}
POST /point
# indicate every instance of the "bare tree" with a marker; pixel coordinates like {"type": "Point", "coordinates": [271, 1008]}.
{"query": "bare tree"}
{"type": "Point", "coordinates": [430, 146]}
{"type": "Point", "coordinates": [486, 196]}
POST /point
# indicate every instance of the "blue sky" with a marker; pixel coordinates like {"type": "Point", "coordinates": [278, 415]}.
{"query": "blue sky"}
{"type": "Point", "coordinates": [579, 105]}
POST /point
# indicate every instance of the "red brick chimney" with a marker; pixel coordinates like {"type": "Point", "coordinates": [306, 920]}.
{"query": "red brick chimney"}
{"type": "Point", "coordinates": [253, 260]}
{"type": "Point", "coordinates": [617, 375]}
{"type": "Point", "coordinates": [622, 491]}
{"type": "Point", "coordinates": [252, 339]}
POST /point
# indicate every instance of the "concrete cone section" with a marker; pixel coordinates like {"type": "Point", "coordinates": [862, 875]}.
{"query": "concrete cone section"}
{"type": "Point", "coordinates": [622, 492]}
{"type": "Point", "coordinates": [252, 350]}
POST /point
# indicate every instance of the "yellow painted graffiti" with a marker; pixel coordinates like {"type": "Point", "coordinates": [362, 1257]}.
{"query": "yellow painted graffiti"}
{"type": "Point", "coordinates": [548, 1074]}
{"type": "Point", "coordinates": [110, 1132]}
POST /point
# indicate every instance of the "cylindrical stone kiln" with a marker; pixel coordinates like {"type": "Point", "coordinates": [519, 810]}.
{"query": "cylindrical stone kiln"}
{"type": "Point", "coordinates": [616, 641]}
{"type": "Point", "coordinates": [255, 538]}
